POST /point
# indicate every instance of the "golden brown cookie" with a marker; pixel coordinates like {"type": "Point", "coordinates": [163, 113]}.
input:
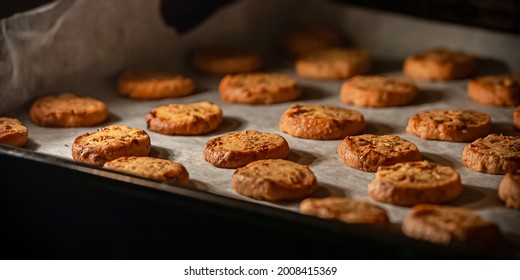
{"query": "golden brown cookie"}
{"type": "Point", "coordinates": [335, 63]}
{"type": "Point", "coordinates": [321, 122]}
{"type": "Point", "coordinates": [154, 168]}
{"type": "Point", "coordinates": [12, 132]}
{"type": "Point", "coordinates": [109, 143]}
{"type": "Point", "coordinates": [509, 190]}
{"type": "Point", "coordinates": [185, 119]}
{"type": "Point", "coordinates": [378, 91]}
{"type": "Point", "coordinates": [68, 110]}
{"type": "Point", "coordinates": [224, 62]}
{"type": "Point", "coordinates": [498, 90]}
{"type": "Point", "coordinates": [153, 84]}
{"type": "Point", "coordinates": [440, 64]}
{"type": "Point", "coordinates": [274, 180]}
{"type": "Point", "coordinates": [450, 125]}
{"type": "Point", "coordinates": [516, 118]}
{"type": "Point", "coordinates": [309, 38]}
{"type": "Point", "coordinates": [258, 88]}
{"type": "Point", "coordinates": [344, 209]}
{"type": "Point", "coordinates": [416, 182]}
{"type": "Point", "coordinates": [240, 148]}
{"type": "Point", "coordinates": [494, 154]}
{"type": "Point", "coordinates": [367, 152]}
{"type": "Point", "coordinates": [448, 225]}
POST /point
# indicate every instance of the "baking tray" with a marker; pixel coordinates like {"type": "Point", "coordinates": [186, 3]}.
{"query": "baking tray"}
{"type": "Point", "coordinates": [210, 187]}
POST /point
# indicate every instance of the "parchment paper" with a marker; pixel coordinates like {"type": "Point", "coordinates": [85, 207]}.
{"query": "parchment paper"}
{"type": "Point", "coordinates": [80, 46]}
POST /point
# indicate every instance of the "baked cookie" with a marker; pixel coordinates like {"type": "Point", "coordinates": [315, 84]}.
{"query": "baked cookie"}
{"type": "Point", "coordinates": [344, 209]}
{"type": "Point", "coordinates": [240, 148]}
{"type": "Point", "coordinates": [258, 88]}
{"type": "Point", "coordinates": [185, 119]}
{"type": "Point", "coordinates": [335, 63]}
{"type": "Point", "coordinates": [440, 64]}
{"type": "Point", "coordinates": [516, 118]}
{"type": "Point", "coordinates": [274, 180]}
{"type": "Point", "coordinates": [153, 84]}
{"type": "Point", "coordinates": [109, 143]}
{"type": "Point", "coordinates": [321, 122]}
{"type": "Point", "coordinates": [306, 39]}
{"type": "Point", "coordinates": [12, 132]}
{"type": "Point", "coordinates": [498, 90]}
{"type": "Point", "coordinates": [450, 125]}
{"type": "Point", "coordinates": [224, 62]}
{"type": "Point", "coordinates": [509, 190]}
{"type": "Point", "coordinates": [367, 152]}
{"type": "Point", "coordinates": [494, 154]}
{"type": "Point", "coordinates": [448, 225]}
{"type": "Point", "coordinates": [67, 110]}
{"type": "Point", "coordinates": [154, 168]}
{"type": "Point", "coordinates": [378, 91]}
{"type": "Point", "coordinates": [416, 182]}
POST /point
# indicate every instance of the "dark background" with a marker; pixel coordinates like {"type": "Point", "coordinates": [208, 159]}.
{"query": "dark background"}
{"type": "Point", "coordinates": [500, 15]}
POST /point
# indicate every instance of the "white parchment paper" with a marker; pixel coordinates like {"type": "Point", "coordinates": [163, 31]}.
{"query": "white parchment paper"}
{"type": "Point", "coordinates": [79, 46]}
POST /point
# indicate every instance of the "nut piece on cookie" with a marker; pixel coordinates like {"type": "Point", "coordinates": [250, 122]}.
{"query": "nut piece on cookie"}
{"type": "Point", "coordinates": [274, 180]}
{"type": "Point", "coordinates": [12, 132]}
{"type": "Point", "coordinates": [153, 84]}
{"type": "Point", "coordinates": [185, 119]}
{"type": "Point", "coordinates": [449, 225]}
{"type": "Point", "coordinates": [494, 154]}
{"type": "Point", "coordinates": [309, 38]}
{"type": "Point", "coordinates": [367, 152]}
{"type": "Point", "coordinates": [516, 118]}
{"type": "Point", "coordinates": [109, 143]}
{"type": "Point", "coordinates": [440, 64]}
{"type": "Point", "coordinates": [225, 61]}
{"type": "Point", "coordinates": [67, 110]}
{"type": "Point", "coordinates": [335, 63]}
{"type": "Point", "coordinates": [321, 122]}
{"type": "Point", "coordinates": [450, 125]}
{"type": "Point", "coordinates": [497, 90]}
{"type": "Point", "coordinates": [237, 149]}
{"type": "Point", "coordinates": [378, 91]}
{"type": "Point", "coordinates": [153, 168]}
{"type": "Point", "coordinates": [412, 183]}
{"type": "Point", "coordinates": [258, 88]}
{"type": "Point", "coordinates": [509, 190]}
{"type": "Point", "coordinates": [344, 209]}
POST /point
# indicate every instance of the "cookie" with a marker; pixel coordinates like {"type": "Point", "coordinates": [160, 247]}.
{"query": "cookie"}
{"type": "Point", "coordinates": [153, 84]}
{"type": "Point", "coordinates": [509, 189]}
{"type": "Point", "coordinates": [450, 125]}
{"type": "Point", "coordinates": [224, 62]}
{"type": "Point", "coordinates": [367, 152]}
{"type": "Point", "coordinates": [237, 149]}
{"type": "Point", "coordinates": [12, 132]}
{"type": "Point", "coordinates": [68, 110]}
{"type": "Point", "coordinates": [516, 118]}
{"type": "Point", "coordinates": [494, 154]}
{"type": "Point", "coordinates": [109, 143]}
{"type": "Point", "coordinates": [344, 209]}
{"type": "Point", "coordinates": [153, 168]}
{"type": "Point", "coordinates": [497, 90]}
{"type": "Point", "coordinates": [258, 88]}
{"type": "Point", "coordinates": [309, 38]}
{"type": "Point", "coordinates": [416, 182]}
{"type": "Point", "coordinates": [440, 64]}
{"type": "Point", "coordinates": [321, 122]}
{"type": "Point", "coordinates": [335, 63]}
{"type": "Point", "coordinates": [185, 119]}
{"type": "Point", "coordinates": [274, 180]}
{"type": "Point", "coordinates": [378, 91]}
{"type": "Point", "coordinates": [449, 225]}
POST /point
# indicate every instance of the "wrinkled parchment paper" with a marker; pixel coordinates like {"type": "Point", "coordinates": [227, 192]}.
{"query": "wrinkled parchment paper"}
{"type": "Point", "coordinates": [81, 45]}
